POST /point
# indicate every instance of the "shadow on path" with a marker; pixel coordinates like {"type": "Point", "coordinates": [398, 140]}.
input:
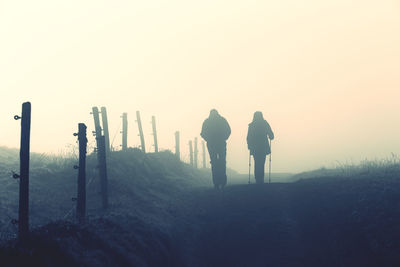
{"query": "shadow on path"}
{"type": "Point", "coordinates": [275, 225]}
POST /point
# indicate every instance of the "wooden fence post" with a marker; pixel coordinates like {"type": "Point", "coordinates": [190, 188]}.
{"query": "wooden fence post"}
{"type": "Point", "coordinates": [204, 153]}
{"type": "Point", "coordinates": [177, 145]}
{"type": "Point", "coordinates": [153, 122]}
{"type": "Point", "coordinates": [101, 157]}
{"type": "Point", "coordinates": [139, 122]}
{"type": "Point", "coordinates": [196, 152]}
{"type": "Point", "coordinates": [191, 152]}
{"type": "Point", "coordinates": [97, 128]}
{"type": "Point", "coordinates": [81, 195]}
{"type": "Point", "coordinates": [124, 131]}
{"type": "Point", "coordinates": [23, 211]}
{"type": "Point", "coordinates": [103, 171]}
{"type": "Point", "coordinates": [105, 128]}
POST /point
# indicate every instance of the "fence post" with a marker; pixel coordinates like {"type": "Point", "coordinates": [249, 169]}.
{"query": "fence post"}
{"type": "Point", "coordinates": [191, 152]}
{"type": "Point", "coordinates": [105, 128]}
{"type": "Point", "coordinates": [204, 153]}
{"type": "Point", "coordinates": [101, 157]}
{"type": "Point", "coordinates": [23, 210]}
{"type": "Point", "coordinates": [124, 131]}
{"type": "Point", "coordinates": [97, 128]}
{"type": "Point", "coordinates": [177, 146]}
{"type": "Point", "coordinates": [196, 152]}
{"type": "Point", "coordinates": [81, 196]}
{"type": "Point", "coordinates": [139, 122]}
{"type": "Point", "coordinates": [103, 171]}
{"type": "Point", "coordinates": [153, 122]}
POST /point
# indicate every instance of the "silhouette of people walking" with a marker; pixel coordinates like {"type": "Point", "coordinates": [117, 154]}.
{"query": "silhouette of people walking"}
{"type": "Point", "coordinates": [258, 143]}
{"type": "Point", "coordinates": [215, 131]}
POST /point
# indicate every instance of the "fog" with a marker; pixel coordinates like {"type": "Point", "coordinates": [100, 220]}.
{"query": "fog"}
{"type": "Point", "coordinates": [324, 73]}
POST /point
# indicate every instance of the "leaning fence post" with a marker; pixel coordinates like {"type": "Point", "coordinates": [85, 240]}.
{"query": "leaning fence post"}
{"type": "Point", "coordinates": [23, 211]}
{"type": "Point", "coordinates": [153, 122]}
{"type": "Point", "coordinates": [177, 145]}
{"type": "Point", "coordinates": [191, 152]}
{"type": "Point", "coordinates": [204, 153]}
{"type": "Point", "coordinates": [124, 131]}
{"type": "Point", "coordinates": [81, 196]}
{"type": "Point", "coordinates": [101, 157]}
{"type": "Point", "coordinates": [196, 152]}
{"type": "Point", "coordinates": [139, 122]}
{"type": "Point", "coordinates": [103, 171]}
{"type": "Point", "coordinates": [105, 128]}
{"type": "Point", "coordinates": [97, 132]}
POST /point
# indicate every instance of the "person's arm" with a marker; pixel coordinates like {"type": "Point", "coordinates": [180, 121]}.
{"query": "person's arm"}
{"type": "Point", "coordinates": [248, 138]}
{"type": "Point", "coordinates": [228, 128]}
{"type": "Point", "coordinates": [270, 133]}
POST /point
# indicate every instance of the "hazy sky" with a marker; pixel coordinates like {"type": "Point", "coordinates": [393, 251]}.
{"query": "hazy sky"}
{"type": "Point", "coordinates": [326, 74]}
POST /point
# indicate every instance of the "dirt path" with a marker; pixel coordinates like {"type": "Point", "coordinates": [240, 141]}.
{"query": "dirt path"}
{"type": "Point", "coordinates": [245, 226]}
{"type": "Point", "coordinates": [251, 225]}
{"type": "Point", "coordinates": [272, 225]}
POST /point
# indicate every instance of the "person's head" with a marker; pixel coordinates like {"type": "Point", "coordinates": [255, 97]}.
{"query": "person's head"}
{"type": "Point", "coordinates": [258, 116]}
{"type": "Point", "coordinates": [213, 113]}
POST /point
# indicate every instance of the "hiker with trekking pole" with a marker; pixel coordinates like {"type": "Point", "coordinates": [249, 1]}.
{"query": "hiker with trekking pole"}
{"type": "Point", "coordinates": [259, 140]}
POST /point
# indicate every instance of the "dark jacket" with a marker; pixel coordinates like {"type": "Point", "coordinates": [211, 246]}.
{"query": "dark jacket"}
{"type": "Point", "coordinates": [215, 130]}
{"type": "Point", "coordinates": [257, 137]}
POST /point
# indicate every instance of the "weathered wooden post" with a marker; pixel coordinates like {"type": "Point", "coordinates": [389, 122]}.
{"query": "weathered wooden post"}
{"type": "Point", "coordinates": [196, 152]}
{"type": "Point", "coordinates": [97, 128]}
{"type": "Point", "coordinates": [177, 145]}
{"type": "Point", "coordinates": [153, 122]}
{"type": "Point", "coordinates": [81, 196]}
{"type": "Point", "coordinates": [101, 157]}
{"type": "Point", "coordinates": [105, 128]}
{"type": "Point", "coordinates": [191, 152]}
{"type": "Point", "coordinates": [139, 122]}
{"type": "Point", "coordinates": [103, 171]}
{"type": "Point", "coordinates": [124, 131]}
{"type": "Point", "coordinates": [23, 211]}
{"type": "Point", "coordinates": [204, 153]}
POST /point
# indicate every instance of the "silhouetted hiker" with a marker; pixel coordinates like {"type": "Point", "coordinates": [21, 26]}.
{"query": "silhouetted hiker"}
{"type": "Point", "coordinates": [216, 131]}
{"type": "Point", "coordinates": [258, 144]}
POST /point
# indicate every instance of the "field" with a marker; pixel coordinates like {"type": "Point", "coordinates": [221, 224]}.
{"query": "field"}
{"type": "Point", "coordinates": [165, 213]}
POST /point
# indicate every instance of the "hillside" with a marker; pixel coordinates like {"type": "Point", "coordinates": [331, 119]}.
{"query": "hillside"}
{"type": "Point", "coordinates": [143, 189]}
{"type": "Point", "coordinates": [164, 213]}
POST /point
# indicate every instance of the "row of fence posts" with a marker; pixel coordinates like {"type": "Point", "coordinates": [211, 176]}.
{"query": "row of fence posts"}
{"type": "Point", "coordinates": [141, 135]}
{"type": "Point", "coordinates": [194, 153]}
{"type": "Point", "coordinates": [103, 149]}
{"type": "Point", "coordinates": [125, 131]}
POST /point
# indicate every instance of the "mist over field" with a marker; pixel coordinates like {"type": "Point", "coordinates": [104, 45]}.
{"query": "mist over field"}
{"type": "Point", "coordinates": [199, 133]}
{"type": "Point", "coordinates": [323, 73]}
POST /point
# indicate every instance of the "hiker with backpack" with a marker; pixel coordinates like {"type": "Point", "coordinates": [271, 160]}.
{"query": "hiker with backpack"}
{"type": "Point", "coordinates": [215, 131]}
{"type": "Point", "coordinates": [257, 142]}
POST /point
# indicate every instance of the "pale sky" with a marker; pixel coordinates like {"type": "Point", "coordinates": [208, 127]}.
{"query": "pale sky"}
{"type": "Point", "coordinates": [326, 74]}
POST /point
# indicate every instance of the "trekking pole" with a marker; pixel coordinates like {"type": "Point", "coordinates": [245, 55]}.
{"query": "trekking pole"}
{"type": "Point", "coordinates": [270, 156]}
{"type": "Point", "coordinates": [249, 165]}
